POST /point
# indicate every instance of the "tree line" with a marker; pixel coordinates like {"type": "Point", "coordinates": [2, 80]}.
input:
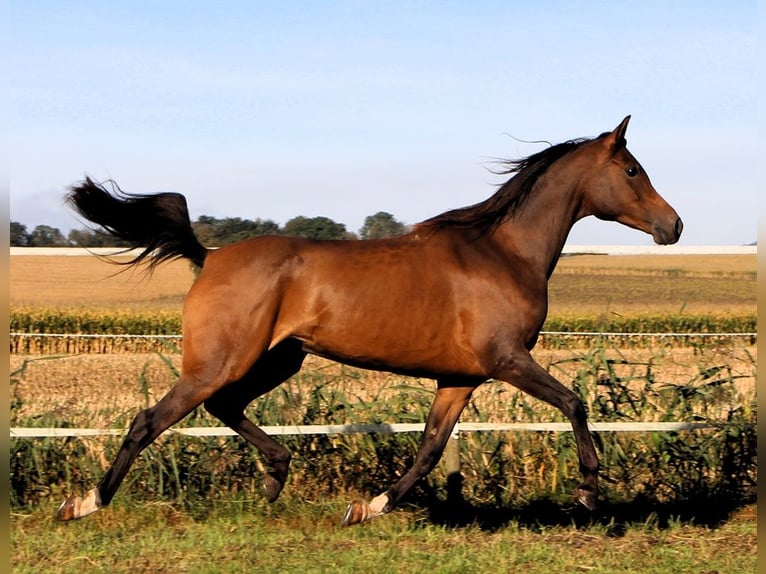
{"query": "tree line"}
{"type": "Point", "coordinates": [216, 232]}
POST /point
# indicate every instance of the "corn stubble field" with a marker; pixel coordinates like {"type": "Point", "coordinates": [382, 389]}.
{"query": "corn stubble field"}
{"type": "Point", "coordinates": [672, 502]}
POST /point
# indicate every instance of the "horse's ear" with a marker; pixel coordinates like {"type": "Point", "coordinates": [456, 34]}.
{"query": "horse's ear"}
{"type": "Point", "coordinates": [622, 128]}
{"type": "Point", "coordinates": [615, 140]}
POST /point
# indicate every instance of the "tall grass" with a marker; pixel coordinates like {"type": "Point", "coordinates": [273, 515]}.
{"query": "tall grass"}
{"type": "Point", "coordinates": [505, 468]}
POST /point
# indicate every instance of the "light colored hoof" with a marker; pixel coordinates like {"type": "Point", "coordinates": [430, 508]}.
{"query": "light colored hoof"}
{"type": "Point", "coordinates": [66, 511]}
{"type": "Point", "coordinates": [76, 507]}
{"type": "Point", "coordinates": [356, 513]}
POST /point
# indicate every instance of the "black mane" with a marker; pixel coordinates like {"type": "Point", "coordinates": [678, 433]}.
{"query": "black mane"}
{"type": "Point", "coordinates": [485, 216]}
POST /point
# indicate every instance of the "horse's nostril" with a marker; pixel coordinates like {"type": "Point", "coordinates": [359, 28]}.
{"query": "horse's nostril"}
{"type": "Point", "coordinates": [679, 227]}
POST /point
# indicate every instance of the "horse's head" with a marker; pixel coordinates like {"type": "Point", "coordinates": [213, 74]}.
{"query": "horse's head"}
{"type": "Point", "coordinates": [618, 189]}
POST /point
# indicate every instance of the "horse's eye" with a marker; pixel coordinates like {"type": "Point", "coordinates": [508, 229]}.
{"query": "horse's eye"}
{"type": "Point", "coordinates": [631, 171]}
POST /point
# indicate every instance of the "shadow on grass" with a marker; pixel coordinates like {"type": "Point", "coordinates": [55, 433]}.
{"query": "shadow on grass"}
{"type": "Point", "coordinates": [706, 509]}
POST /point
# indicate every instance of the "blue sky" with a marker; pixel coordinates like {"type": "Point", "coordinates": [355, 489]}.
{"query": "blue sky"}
{"type": "Point", "coordinates": [272, 110]}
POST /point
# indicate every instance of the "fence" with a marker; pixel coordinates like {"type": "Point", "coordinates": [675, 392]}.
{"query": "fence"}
{"type": "Point", "coordinates": [749, 335]}
{"type": "Point", "coordinates": [451, 452]}
{"type": "Point", "coordinates": [51, 432]}
{"type": "Point", "coordinates": [451, 456]}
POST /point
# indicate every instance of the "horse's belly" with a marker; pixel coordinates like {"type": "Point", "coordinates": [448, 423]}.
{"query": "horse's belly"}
{"type": "Point", "coordinates": [426, 357]}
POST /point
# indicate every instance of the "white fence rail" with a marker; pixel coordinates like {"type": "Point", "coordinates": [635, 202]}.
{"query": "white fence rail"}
{"type": "Point", "coordinates": [306, 430]}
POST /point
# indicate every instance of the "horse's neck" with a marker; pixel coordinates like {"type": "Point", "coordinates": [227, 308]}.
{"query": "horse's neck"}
{"type": "Point", "coordinates": [538, 231]}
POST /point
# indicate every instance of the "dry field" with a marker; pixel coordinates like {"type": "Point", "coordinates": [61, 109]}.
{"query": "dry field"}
{"type": "Point", "coordinates": [632, 284]}
{"type": "Point", "coordinates": [622, 284]}
{"type": "Point", "coordinates": [82, 281]}
{"type": "Point", "coordinates": [95, 390]}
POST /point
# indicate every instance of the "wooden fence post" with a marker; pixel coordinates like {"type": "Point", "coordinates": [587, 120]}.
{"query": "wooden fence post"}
{"type": "Point", "coordinates": [452, 455]}
{"type": "Point", "coordinates": [452, 463]}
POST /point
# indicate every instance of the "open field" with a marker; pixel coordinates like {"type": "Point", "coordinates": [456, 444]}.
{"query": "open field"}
{"type": "Point", "coordinates": [628, 285]}
{"type": "Point", "coordinates": [581, 284]}
{"type": "Point", "coordinates": [40, 281]}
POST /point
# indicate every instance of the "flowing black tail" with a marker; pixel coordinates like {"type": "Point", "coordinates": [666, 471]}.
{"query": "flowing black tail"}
{"type": "Point", "coordinates": [157, 223]}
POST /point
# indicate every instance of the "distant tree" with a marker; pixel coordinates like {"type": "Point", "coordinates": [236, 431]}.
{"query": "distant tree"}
{"type": "Point", "coordinates": [91, 238]}
{"type": "Point", "coordinates": [266, 227]}
{"type": "Point", "coordinates": [19, 235]}
{"type": "Point", "coordinates": [214, 232]}
{"type": "Point", "coordinates": [381, 225]}
{"type": "Point", "coordinates": [233, 229]}
{"type": "Point", "coordinates": [204, 229]}
{"type": "Point", "coordinates": [81, 238]}
{"type": "Point", "coordinates": [315, 228]}
{"type": "Point", "coordinates": [46, 236]}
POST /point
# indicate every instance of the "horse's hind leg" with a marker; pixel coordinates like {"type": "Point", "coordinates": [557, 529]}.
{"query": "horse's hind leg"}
{"type": "Point", "coordinates": [182, 398]}
{"type": "Point", "coordinates": [449, 402]}
{"type": "Point", "coordinates": [228, 405]}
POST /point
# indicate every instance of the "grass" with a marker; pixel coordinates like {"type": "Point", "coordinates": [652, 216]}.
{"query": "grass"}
{"type": "Point", "coordinates": [296, 536]}
{"type": "Point", "coordinates": [506, 522]}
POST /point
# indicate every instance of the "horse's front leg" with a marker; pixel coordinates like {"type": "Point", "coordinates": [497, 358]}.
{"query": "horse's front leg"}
{"type": "Point", "coordinates": [524, 373]}
{"type": "Point", "coordinates": [448, 403]}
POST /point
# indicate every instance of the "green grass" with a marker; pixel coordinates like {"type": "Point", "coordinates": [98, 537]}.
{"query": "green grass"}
{"type": "Point", "coordinates": [296, 536]}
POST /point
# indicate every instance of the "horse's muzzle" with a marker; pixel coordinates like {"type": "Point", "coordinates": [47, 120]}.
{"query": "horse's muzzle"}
{"type": "Point", "coordinates": [667, 235]}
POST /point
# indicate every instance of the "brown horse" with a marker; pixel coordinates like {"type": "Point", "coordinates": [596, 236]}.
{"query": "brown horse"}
{"type": "Point", "coordinates": [460, 299]}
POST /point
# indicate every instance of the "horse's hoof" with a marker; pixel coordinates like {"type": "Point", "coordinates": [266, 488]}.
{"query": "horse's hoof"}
{"type": "Point", "coordinates": [587, 497]}
{"type": "Point", "coordinates": [66, 511]}
{"type": "Point", "coordinates": [75, 507]}
{"type": "Point", "coordinates": [272, 486]}
{"type": "Point", "coordinates": [355, 513]}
